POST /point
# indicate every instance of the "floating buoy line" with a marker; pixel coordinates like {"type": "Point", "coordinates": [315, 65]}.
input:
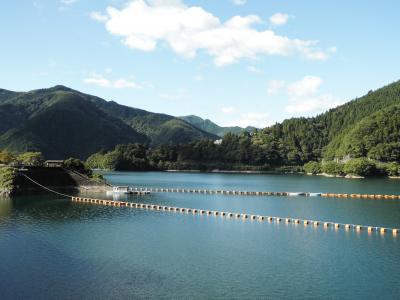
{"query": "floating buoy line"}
{"type": "Point", "coordinates": [255, 193]}
{"type": "Point", "coordinates": [223, 214]}
{"type": "Point", "coordinates": [242, 216]}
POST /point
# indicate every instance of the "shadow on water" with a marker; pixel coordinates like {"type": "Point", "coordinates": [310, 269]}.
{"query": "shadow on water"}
{"type": "Point", "coordinates": [52, 209]}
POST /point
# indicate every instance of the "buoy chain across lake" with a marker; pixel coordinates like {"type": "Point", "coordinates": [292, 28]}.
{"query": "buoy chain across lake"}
{"type": "Point", "coordinates": [242, 216]}
{"type": "Point", "coordinates": [259, 193]}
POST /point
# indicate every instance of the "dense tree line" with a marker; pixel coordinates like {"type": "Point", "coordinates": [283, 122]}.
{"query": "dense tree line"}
{"type": "Point", "coordinates": [234, 151]}
{"type": "Point", "coordinates": [357, 166]}
{"type": "Point", "coordinates": [25, 158]}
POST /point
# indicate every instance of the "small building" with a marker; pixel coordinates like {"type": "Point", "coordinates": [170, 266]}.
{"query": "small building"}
{"type": "Point", "coordinates": [121, 189]}
{"type": "Point", "coordinates": [54, 163]}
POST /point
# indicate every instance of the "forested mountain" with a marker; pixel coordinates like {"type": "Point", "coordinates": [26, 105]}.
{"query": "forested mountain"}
{"type": "Point", "coordinates": [299, 140]}
{"type": "Point", "coordinates": [376, 136]}
{"type": "Point", "coordinates": [62, 122]}
{"type": "Point", "coordinates": [209, 126]}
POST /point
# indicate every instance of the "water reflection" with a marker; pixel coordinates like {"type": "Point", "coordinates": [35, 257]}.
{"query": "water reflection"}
{"type": "Point", "coordinates": [5, 207]}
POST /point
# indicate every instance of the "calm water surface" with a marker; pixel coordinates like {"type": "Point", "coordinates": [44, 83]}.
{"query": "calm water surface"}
{"type": "Point", "coordinates": [52, 248]}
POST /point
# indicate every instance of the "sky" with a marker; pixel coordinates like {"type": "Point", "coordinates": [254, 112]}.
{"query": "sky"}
{"type": "Point", "coordinates": [236, 62]}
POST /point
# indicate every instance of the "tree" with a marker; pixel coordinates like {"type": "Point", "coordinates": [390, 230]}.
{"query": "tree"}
{"type": "Point", "coordinates": [31, 158]}
{"type": "Point", "coordinates": [360, 166]}
{"type": "Point", "coordinates": [312, 167]}
{"type": "Point", "coordinates": [96, 161]}
{"type": "Point", "coordinates": [333, 168]}
{"type": "Point", "coordinates": [77, 165]}
{"type": "Point", "coordinates": [393, 169]}
{"type": "Point", "coordinates": [6, 157]}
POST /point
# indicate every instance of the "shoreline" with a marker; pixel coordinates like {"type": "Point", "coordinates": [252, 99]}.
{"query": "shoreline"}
{"type": "Point", "coordinates": [272, 172]}
{"type": "Point", "coordinates": [223, 171]}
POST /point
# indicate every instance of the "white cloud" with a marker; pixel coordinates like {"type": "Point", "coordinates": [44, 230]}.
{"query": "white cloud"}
{"type": "Point", "coordinates": [318, 103]}
{"type": "Point", "coordinates": [68, 2]}
{"type": "Point", "coordinates": [186, 30]}
{"type": "Point", "coordinates": [239, 2]}
{"type": "Point", "coordinates": [275, 86]}
{"type": "Point", "coordinates": [259, 120]}
{"type": "Point", "coordinates": [279, 19]}
{"type": "Point", "coordinates": [227, 109]}
{"type": "Point", "coordinates": [98, 16]}
{"type": "Point", "coordinates": [304, 96]}
{"type": "Point", "coordinates": [309, 85]}
{"type": "Point", "coordinates": [100, 80]}
{"type": "Point", "coordinates": [253, 69]}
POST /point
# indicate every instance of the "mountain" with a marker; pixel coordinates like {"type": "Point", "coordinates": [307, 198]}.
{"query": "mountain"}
{"type": "Point", "coordinates": [376, 136]}
{"type": "Point", "coordinates": [61, 122]}
{"type": "Point", "coordinates": [299, 140]}
{"type": "Point", "coordinates": [211, 127]}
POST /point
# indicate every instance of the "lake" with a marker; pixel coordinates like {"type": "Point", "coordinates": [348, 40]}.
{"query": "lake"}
{"type": "Point", "coordinates": [53, 248]}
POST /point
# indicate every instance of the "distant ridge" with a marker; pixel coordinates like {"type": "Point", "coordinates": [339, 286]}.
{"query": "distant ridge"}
{"type": "Point", "coordinates": [209, 126]}
{"type": "Point", "coordinates": [62, 122]}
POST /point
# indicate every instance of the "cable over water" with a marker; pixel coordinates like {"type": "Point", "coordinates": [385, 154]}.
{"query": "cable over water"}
{"type": "Point", "coordinates": [46, 188]}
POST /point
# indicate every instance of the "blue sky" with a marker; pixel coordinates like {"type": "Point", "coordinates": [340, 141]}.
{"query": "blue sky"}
{"type": "Point", "coordinates": [236, 62]}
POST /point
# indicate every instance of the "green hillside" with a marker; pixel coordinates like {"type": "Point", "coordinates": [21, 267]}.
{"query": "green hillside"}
{"type": "Point", "coordinates": [364, 135]}
{"type": "Point", "coordinates": [299, 140]}
{"type": "Point", "coordinates": [376, 136]}
{"type": "Point", "coordinates": [62, 122]}
{"type": "Point", "coordinates": [209, 126]}
{"type": "Point", "coordinates": [66, 125]}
